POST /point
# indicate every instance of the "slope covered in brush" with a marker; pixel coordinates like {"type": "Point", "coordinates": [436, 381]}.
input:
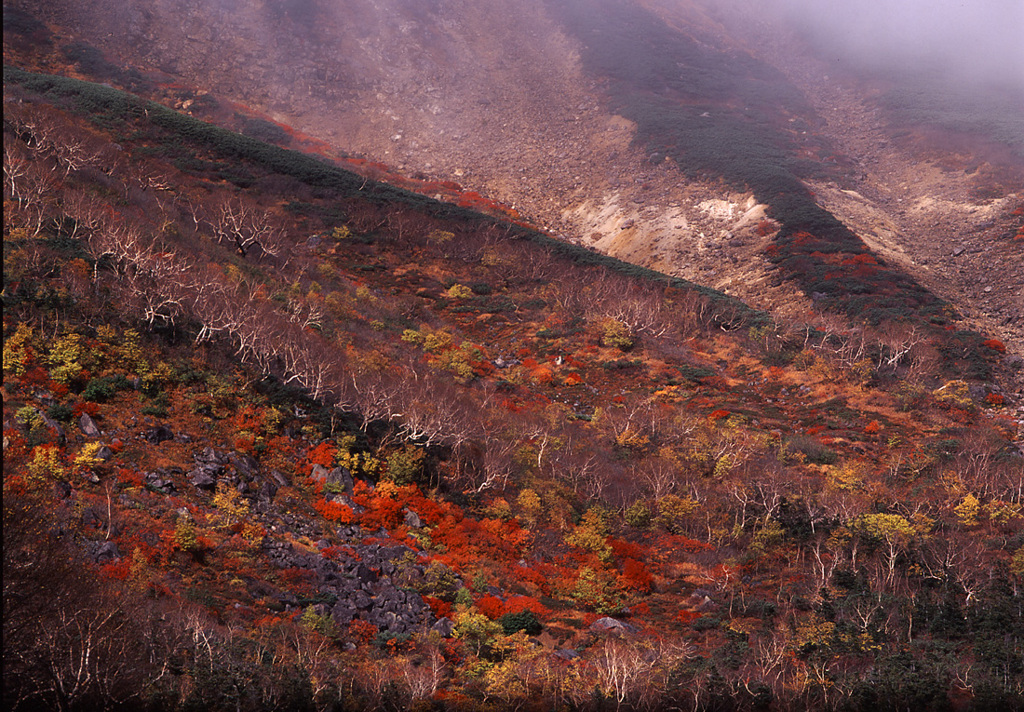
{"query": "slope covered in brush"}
{"type": "Point", "coordinates": [297, 440]}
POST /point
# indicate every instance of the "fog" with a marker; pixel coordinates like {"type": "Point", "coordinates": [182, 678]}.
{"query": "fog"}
{"type": "Point", "coordinates": [963, 40]}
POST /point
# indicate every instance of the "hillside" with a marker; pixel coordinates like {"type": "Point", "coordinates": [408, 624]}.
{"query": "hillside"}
{"type": "Point", "coordinates": [297, 439]}
{"type": "Point", "coordinates": [654, 156]}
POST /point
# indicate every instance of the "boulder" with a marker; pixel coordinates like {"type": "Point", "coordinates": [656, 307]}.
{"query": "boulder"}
{"type": "Point", "coordinates": [412, 520]}
{"type": "Point", "coordinates": [157, 483]}
{"type": "Point", "coordinates": [611, 625]}
{"type": "Point", "coordinates": [203, 480]}
{"type": "Point", "coordinates": [444, 626]}
{"type": "Point", "coordinates": [107, 551]}
{"type": "Point", "coordinates": [243, 464]}
{"type": "Point", "coordinates": [343, 613]}
{"type": "Point", "coordinates": [338, 479]}
{"type": "Point", "coordinates": [157, 435]}
{"type": "Point", "coordinates": [267, 492]}
{"type": "Point", "coordinates": [88, 426]}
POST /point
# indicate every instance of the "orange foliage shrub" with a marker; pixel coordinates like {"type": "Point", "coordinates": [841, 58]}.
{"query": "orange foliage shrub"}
{"type": "Point", "coordinates": [518, 604]}
{"type": "Point", "coordinates": [636, 576]}
{"type": "Point", "coordinates": [491, 606]}
{"type": "Point", "coordinates": [333, 511]}
{"type": "Point", "coordinates": [719, 414]}
{"type": "Point", "coordinates": [440, 609]}
{"type": "Point", "coordinates": [872, 427]}
{"type": "Point", "coordinates": [322, 454]}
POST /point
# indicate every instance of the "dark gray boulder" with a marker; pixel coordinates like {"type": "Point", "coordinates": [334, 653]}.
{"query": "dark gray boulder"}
{"type": "Point", "coordinates": [157, 435]}
{"type": "Point", "coordinates": [107, 551]}
{"type": "Point", "coordinates": [203, 480]}
{"type": "Point", "coordinates": [444, 626]}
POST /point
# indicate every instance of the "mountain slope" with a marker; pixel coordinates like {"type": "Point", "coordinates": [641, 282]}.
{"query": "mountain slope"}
{"type": "Point", "coordinates": [355, 447]}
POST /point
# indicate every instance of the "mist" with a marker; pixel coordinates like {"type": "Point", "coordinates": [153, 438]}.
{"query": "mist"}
{"type": "Point", "coordinates": [966, 41]}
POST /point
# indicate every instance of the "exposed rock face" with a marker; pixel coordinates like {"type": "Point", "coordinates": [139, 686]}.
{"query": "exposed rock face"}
{"type": "Point", "coordinates": [368, 586]}
{"type": "Point", "coordinates": [337, 478]}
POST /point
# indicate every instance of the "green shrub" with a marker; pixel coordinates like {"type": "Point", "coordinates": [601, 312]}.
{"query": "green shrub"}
{"type": "Point", "coordinates": [103, 388]}
{"type": "Point", "coordinates": [524, 621]}
{"type": "Point", "coordinates": [61, 412]}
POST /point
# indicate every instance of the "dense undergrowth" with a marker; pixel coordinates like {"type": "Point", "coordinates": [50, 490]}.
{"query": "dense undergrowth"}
{"type": "Point", "coordinates": [239, 382]}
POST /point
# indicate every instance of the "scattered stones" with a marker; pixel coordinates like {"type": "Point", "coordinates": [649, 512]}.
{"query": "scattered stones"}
{"type": "Point", "coordinates": [157, 483]}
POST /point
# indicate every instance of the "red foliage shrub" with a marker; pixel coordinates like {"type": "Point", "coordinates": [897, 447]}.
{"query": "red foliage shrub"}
{"type": "Point", "coordinates": [117, 570]}
{"type": "Point", "coordinates": [362, 632]}
{"type": "Point", "coordinates": [300, 580]}
{"type": "Point", "coordinates": [89, 407]}
{"type": "Point", "coordinates": [491, 606]}
{"type": "Point", "coordinates": [36, 376]}
{"type": "Point", "coordinates": [765, 227]}
{"type": "Point", "coordinates": [719, 414]}
{"type": "Point", "coordinates": [872, 428]}
{"type": "Point", "coordinates": [518, 604]}
{"type": "Point", "coordinates": [129, 477]}
{"type": "Point", "coordinates": [322, 454]}
{"type": "Point", "coordinates": [440, 609]}
{"type": "Point", "coordinates": [333, 511]}
{"type": "Point", "coordinates": [381, 512]}
{"type": "Point", "coordinates": [994, 399]}
{"type": "Point", "coordinates": [636, 576]}
{"type": "Point", "coordinates": [676, 542]}
{"type": "Point", "coordinates": [995, 345]}
{"type": "Point", "coordinates": [336, 552]}
{"type": "Point", "coordinates": [687, 617]}
{"type": "Point", "coordinates": [530, 575]}
{"type": "Point", "coordinates": [626, 549]}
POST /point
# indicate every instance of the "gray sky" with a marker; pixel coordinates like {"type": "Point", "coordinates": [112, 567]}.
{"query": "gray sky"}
{"type": "Point", "coordinates": [968, 39]}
